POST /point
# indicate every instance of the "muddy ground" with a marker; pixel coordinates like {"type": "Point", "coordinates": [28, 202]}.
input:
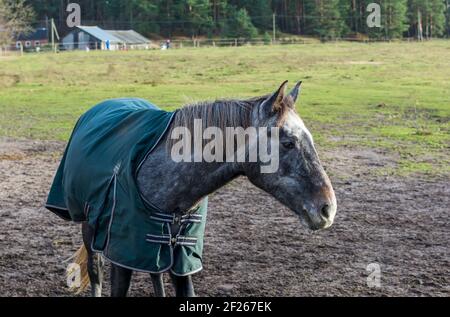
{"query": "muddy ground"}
{"type": "Point", "coordinates": [253, 245]}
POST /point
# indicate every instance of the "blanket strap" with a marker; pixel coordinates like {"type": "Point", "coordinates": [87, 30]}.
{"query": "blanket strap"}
{"type": "Point", "coordinates": [174, 241]}
{"type": "Point", "coordinates": [177, 219]}
{"type": "Point", "coordinates": [190, 217]}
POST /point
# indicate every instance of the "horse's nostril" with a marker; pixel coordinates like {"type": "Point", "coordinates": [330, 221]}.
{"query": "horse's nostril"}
{"type": "Point", "coordinates": [325, 211]}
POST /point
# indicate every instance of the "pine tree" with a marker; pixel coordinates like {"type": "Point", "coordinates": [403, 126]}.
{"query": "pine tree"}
{"type": "Point", "coordinates": [428, 13]}
{"type": "Point", "coordinates": [447, 17]}
{"type": "Point", "coordinates": [239, 24]}
{"type": "Point", "coordinates": [219, 13]}
{"type": "Point", "coordinates": [198, 16]}
{"type": "Point", "coordinates": [393, 19]}
{"type": "Point", "coordinates": [260, 12]}
{"type": "Point", "coordinates": [146, 13]}
{"type": "Point", "coordinates": [15, 18]}
{"type": "Point", "coordinates": [437, 17]}
{"type": "Point", "coordinates": [323, 18]}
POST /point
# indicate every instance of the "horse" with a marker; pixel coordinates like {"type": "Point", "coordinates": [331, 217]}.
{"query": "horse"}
{"type": "Point", "coordinates": [300, 181]}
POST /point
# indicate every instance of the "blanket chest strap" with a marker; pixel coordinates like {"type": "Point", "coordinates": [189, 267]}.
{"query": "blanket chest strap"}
{"type": "Point", "coordinates": [173, 241]}
{"type": "Point", "coordinates": [177, 219]}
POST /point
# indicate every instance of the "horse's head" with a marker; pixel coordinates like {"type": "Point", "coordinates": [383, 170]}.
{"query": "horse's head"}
{"type": "Point", "coordinates": [299, 182]}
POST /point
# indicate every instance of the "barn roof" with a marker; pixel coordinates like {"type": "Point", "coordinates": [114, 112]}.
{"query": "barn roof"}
{"type": "Point", "coordinates": [100, 34]}
{"type": "Point", "coordinates": [129, 36]}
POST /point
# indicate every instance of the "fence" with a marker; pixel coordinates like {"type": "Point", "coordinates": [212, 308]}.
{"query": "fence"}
{"type": "Point", "coordinates": [233, 42]}
{"type": "Point", "coordinates": [195, 43]}
{"type": "Point", "coordinates": [185, 43]}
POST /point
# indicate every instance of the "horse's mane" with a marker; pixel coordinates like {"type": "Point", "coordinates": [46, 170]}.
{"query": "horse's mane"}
{"type": "Point", "coordinates": [219, 113]}
{"type": "Point", "coordinates": [222, 113]}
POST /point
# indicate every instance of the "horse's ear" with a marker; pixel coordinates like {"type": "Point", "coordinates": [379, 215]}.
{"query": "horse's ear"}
{"type": "Point", "coordinates": [295, 92]}
{"type": "Point", "coordinates": [274, 103]}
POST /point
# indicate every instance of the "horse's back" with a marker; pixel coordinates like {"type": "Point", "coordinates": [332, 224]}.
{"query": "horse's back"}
{"type": "Point", "coordinates": [111, 137]}
{"type": "Point", "coordinates": [128, 103]}
{"type": "Point", "coordinates": [117, 107]}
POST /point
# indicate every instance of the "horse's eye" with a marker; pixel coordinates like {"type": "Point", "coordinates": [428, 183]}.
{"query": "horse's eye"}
{"type": "Point", "coordinates": [288, 145]}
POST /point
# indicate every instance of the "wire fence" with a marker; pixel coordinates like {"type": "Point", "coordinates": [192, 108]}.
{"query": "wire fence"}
{"type": "Point", "coordinates": [230, 42]}
{"type": "Point", "coordinates": [186, 43]}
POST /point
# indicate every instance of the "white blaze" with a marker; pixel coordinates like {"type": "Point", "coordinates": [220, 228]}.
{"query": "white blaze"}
{"type": "Point", "coordinates": [295, 126]}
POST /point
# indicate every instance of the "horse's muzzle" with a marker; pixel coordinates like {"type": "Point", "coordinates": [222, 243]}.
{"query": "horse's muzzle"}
{"type": "Point", "coordinates": [320, 215]}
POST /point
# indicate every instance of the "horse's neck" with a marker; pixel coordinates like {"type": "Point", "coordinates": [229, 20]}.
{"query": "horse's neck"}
{"type": "Point", "coordinates": [173, 186]}
{"type": "Point", "coordinates": [176, 187]}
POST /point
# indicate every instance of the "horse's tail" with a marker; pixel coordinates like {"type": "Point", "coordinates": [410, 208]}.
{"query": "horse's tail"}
{"type": "Point", "coordinates": [81, 282]}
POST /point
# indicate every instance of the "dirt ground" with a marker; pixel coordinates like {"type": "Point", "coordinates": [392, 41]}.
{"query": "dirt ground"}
{"type": "Point", "coordinates": [253, 245]}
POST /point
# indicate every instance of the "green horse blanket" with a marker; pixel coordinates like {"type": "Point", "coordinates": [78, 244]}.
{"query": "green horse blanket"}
{"type": "Point", "coordinates": [96, 182]}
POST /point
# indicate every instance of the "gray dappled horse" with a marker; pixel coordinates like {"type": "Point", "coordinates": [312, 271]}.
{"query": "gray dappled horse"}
{"type": "Point", "coordinates": [299, 183]}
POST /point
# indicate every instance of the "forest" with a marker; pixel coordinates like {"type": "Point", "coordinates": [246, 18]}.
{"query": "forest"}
{"type": "Point", "coordinates": [253, 18]}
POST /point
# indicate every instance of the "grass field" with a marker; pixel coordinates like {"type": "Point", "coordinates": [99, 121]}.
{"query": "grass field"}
{"type": "Point", "coordinates": [390, 96]}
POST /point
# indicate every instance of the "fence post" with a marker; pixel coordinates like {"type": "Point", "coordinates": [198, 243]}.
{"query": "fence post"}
{"type": "Point", "coordinates": [235, 42]}
{"type": "Point", "coordinates": [274, 27]}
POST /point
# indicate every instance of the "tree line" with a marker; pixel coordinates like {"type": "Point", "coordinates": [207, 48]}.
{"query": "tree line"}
{"type": "Point", "coordinates": [15, 18]}
{"type": "Point", "coordinates": [255, 18]}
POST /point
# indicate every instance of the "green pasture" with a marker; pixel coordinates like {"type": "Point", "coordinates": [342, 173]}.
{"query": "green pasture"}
{"type": "Point", "coordinates": [390, 96]}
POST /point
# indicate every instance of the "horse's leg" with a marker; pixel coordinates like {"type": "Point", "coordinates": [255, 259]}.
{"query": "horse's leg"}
{"type": "Point", "coordinates": [183, 285]}
{"type": "Point", "coordinates": [120, 280]}
{"type": "Point", "coordinates": [158, 285]}
{"type": "Point", "coordinates": [94, 262]}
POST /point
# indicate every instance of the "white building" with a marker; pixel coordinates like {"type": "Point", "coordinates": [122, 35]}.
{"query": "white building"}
{"type": "Point", "coordinates": [95, 38]}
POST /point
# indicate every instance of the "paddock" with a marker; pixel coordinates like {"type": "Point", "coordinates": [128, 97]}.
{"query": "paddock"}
{"type": "Point", "coordinates": [379, 114]}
